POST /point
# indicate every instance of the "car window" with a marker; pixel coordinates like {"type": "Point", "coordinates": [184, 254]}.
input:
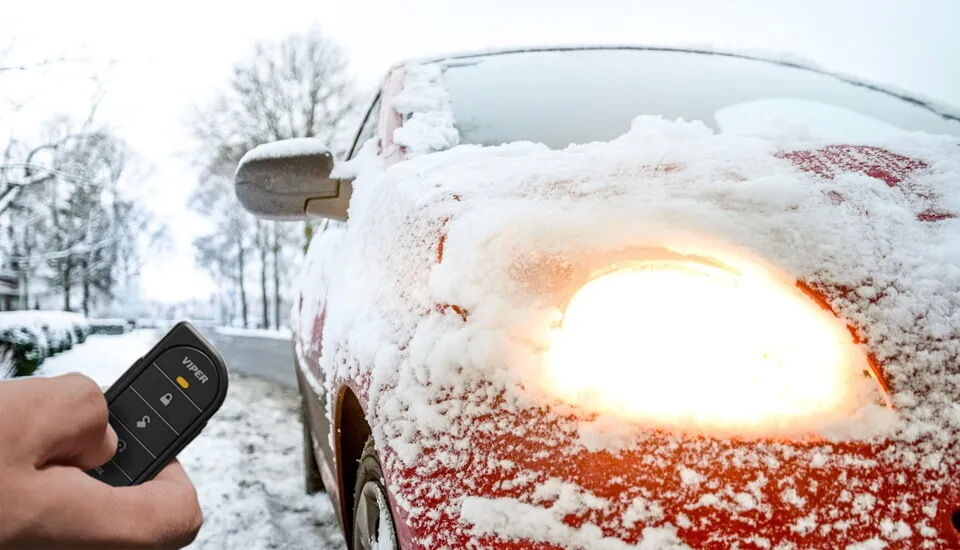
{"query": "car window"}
{"type": "Point", "coordinates": [577, 96]}
{"type": "Point", "coordinates": [369, 128]}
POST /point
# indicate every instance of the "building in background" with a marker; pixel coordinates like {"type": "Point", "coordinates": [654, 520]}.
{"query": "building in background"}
{"type": "Point", "coordinates": [9, 291]}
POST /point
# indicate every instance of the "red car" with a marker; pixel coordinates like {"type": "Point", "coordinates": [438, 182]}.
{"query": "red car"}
{"type": "Point", "coordinates": [611, 298]}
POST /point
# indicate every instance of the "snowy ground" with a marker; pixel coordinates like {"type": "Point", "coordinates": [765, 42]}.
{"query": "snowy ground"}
{"type": "Point", "coordinates": [101, 357]}
{"type": "Point", "coordinates": [247, 462]}
{"type": "Point", "coordinates": [249, 473]}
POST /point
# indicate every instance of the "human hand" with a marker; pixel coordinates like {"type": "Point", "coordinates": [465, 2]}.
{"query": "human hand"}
{"type": "Point", "coordinates": [51, 430]}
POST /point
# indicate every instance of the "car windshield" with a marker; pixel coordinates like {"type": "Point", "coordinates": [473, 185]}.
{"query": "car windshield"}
{"type": "Point", "coordinates": [559, 97]}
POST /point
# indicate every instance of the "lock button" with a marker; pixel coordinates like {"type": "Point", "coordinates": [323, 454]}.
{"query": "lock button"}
{"type": "Point", "coordinates": [142, 421]}
{"type": "Point", "coordinates": [166, 398]}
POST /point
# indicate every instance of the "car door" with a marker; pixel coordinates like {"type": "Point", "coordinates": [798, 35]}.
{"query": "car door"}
{"type": "Point", "coordinates": [311, 319]}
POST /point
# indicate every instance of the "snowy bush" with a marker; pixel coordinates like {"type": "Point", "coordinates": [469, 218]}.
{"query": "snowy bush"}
{"type": "Point", "coordinates": [21, 351]}
{"type": "Point", "coordinates": [110, 326]}
{"type": "Point", "coordinates": [80, 332]}
{"type": "Point", "coordinates": [6, 362]}
{"type": "Point", "coordinates": [28, 337]}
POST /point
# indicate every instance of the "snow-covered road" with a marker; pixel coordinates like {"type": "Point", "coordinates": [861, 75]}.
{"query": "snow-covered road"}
{"type": "Point", "coordinates": [247, 462]}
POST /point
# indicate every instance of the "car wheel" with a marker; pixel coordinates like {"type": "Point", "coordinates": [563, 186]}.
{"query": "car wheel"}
{"type": "Point", "coordinates": [312, 482]}
{"type": "Point", "coordinates": [373, 527]}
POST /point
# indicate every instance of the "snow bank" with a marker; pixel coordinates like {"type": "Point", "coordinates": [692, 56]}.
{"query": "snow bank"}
{"type": "Point", "coordinates": [273, 334]}
{"type": "Point", "coordinates": [56, 320]}
{"type": "Point", "coordinates": [102, 357]}
{"type": "Point", "coordinates": [29, 337]}
{"type": "Point", "coordinates": [455, 266]}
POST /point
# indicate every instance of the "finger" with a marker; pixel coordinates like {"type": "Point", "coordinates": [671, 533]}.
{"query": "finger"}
{"type": "Point", "coordinates": [73, 428]}
{"type": "Point", "coordinates": [180, 525]}
{"type": "Point", "coordinates": [95, 453]}
{"type": "Point", "coordinates": [161, 513]}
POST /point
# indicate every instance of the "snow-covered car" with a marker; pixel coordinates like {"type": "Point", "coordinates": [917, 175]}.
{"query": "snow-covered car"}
{"type": "Point", "coordinates": [612, 298]}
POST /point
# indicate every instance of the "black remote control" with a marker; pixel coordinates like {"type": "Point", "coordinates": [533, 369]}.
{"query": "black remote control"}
{"type": "Point", "coordinates": [161, 403]}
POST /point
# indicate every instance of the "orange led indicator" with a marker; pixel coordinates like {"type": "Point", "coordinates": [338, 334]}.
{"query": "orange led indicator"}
{"type": "Point", "coordinates": [183, 382]}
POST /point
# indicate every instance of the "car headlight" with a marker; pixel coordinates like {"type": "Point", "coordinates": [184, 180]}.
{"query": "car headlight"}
{"type": "Point", "coordinates": [693, 343]}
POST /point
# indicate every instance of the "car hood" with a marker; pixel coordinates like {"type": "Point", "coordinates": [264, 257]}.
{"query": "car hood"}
{"type": "Point", "coordinates": [453, 264]}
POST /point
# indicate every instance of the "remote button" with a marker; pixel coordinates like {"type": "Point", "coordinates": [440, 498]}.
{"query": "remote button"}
{"type": "Point", "coordinates": [166, 398]}
{"type": "Point", "coordinates": [132, 457]}
{"type": "Point", "coordinates": [193, 372]}
{"type": "Point", "coordinates": [110, 474]}
{"type": "Point", "coordinates": [145, 423]}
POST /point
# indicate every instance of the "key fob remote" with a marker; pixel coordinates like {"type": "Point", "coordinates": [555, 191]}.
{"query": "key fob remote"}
{"type": "Point", "coordinates": [161, 403]}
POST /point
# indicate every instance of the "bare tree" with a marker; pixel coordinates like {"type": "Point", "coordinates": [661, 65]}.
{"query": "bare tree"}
{"type": "Point", "coordinates": [17, 170]}
{"type": "Point", "coordinates": [296, 87]}
{"type": "Point", "coordinates": [224, 253]}
{"type": "Point", "coordinates": [262, 242]}
{"type": "Point", "coordinates": [284, 241]}
{"type": "Point", "coordinates": [7, 65]}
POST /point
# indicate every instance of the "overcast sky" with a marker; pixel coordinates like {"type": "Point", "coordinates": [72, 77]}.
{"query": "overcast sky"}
{"type": "Point", "coordinates": [159, 60]}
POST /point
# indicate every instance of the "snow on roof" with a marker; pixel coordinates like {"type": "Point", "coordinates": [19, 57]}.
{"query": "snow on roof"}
{"type": "Point", "coordinates": [442, 288]}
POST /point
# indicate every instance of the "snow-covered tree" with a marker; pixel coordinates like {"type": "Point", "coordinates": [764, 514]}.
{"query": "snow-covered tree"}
{"type": "Point", "coordinates": [76, 233]}
{"type": "Point", "coordinates": [295, 87]}
{"type": "Point", "coordinates": [71, 230]}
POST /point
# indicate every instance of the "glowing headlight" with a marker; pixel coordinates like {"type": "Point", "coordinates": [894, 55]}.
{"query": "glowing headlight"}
{"type": "Point", "coordinates": [681, 343]}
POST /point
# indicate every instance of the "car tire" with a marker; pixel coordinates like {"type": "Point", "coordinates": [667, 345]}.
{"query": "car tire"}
{"type": "Point", "coordinates": [312, 482]}
{"type": "Point", "coordinates": [372, 516]}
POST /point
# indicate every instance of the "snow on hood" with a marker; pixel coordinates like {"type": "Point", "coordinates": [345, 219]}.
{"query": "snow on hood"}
{"type": "Point", "coordinates": [449, 273]}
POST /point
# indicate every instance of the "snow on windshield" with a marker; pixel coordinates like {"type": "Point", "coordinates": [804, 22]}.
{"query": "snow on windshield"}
{"type": "Point", "coordinates": [561, 97]}
{"type": "Point", "coordinates": [444, 285]}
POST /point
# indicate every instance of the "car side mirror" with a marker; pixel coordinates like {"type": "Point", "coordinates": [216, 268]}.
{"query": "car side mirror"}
{"type": "Point", "coordinates": [290, 180]}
